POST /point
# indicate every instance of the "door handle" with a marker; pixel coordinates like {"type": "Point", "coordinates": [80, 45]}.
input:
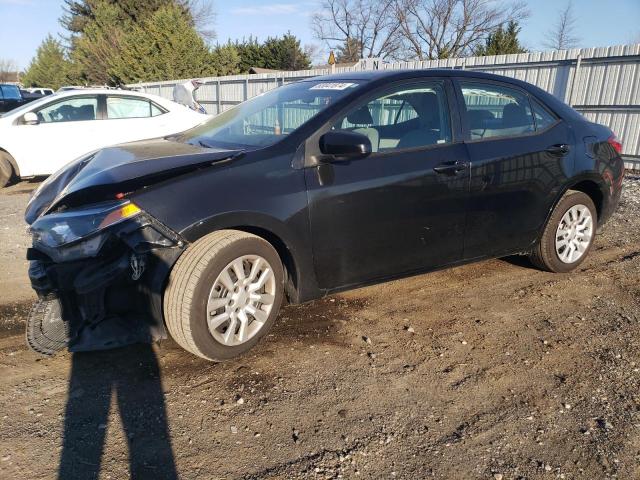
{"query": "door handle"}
{"type": "Point", "coordinates": [559, 150]}
{"type": "Point", "coordinates": [451, 168]}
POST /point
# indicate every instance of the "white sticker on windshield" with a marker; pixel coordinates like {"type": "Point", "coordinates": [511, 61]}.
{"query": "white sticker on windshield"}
{"type": "Point", "coordinates": [331, 86]}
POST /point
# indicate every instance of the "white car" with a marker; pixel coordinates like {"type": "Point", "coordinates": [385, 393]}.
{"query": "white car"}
{"type": "Point", "coordinates": [40, 91]}
{"type": "Point", "coordinates": [40, 137]}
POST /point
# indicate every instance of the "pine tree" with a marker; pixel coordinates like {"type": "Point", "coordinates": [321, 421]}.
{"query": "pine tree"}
{"type": "Point", "coordinates": [277, 53]}
{"type": "Point", "coordinates": [502, 41]}
{"type": "Point", "coordinates": [225, 59]}
{"type": "Point", "coordinates": [350, 51]}
{"type": "Point", "coordinates": [97, 49]}
{"type": "Point", "coordinates": [163, 46]}
{"type": "Point", "coordinates": [49, 68]}
{"type": "Point", "coordinates": [251, 54]}
{"type": "Point", "coordinates": [80, 13]}
{"type": "Point", "coordinates": [285, 53]}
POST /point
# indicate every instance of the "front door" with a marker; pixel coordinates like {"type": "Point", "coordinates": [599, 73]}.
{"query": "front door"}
{"type": "Point", "coordinates": [402, 208]}
{"type": "Point", "coordinates": [66, 129]}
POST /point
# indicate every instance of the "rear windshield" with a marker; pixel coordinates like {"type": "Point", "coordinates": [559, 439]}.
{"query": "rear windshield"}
{"type": "Point", "coordinates": [267, 118]}
{"type": "Point", "coordinates": [10, 92]}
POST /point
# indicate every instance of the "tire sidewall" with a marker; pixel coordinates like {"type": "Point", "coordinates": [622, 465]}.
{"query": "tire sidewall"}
{"type": "Point", "coordinates": [549, 239]}
{"type": "Point", "coordinates": [202, 338]}
{"type": "Point", "coordinates": [6, 171]}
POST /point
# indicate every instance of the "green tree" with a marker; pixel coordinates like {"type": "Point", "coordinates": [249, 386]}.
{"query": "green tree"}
{"type": "Point", "coordinates": [225, 59]}
{"type": "Point", "coordinates": [97, 49]}
{"type": "Point", "coordinates": [285, 53]}
{"type": "Point", "coordinates": [49, 68]}
{"type": "Point", "coordinates": [277, 53]}
{"type": "Point", "coordinates": [251, 54]}
{"type": "Point", "coordinates": [163, 46]}
{"type": "Point", "coordinates": [349, 51]}
{"type": "Point", "coordinates": [79, 14]}
{"type": "Point", "coordinates": [501, 41]}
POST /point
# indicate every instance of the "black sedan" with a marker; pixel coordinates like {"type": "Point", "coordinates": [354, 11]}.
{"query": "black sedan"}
{"type": "Point", "coordinates": [318, 186]}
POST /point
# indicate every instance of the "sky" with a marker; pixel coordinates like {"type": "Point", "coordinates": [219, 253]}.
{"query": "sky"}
{"type": "Point", "coordinates": [25, 23]}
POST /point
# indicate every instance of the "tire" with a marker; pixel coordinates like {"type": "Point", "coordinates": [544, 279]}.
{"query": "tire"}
{"type": "Point", "coordinates": [191, 296]}
{"type": "Point", "coordinates": [47, 333]}
{"type": "Point", "coordinates": [546, 255]}
{"type": "Point", "coordinates": [6, 170]}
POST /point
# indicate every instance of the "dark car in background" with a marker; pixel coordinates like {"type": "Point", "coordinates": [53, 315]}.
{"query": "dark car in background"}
{"type": "Point", "coordinates": [12, 97]}
{"type": "Point", "coordinates": [316, 187]}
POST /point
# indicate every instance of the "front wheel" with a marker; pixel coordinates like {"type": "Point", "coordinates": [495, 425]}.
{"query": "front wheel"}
{"type": "Point", "coordinates": [6, 170]}
{"type": "Point", "coordinates": [568, 235]}
{"type": "Point", "coordinates": [224, 294]}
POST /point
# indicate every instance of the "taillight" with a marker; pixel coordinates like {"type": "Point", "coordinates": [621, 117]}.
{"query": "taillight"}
{"type": "Point", "coordinates": [615, 143]}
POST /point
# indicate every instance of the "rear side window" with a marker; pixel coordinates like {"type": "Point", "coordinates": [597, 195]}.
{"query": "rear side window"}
{"type": "Point", "coordinates": [128, 107]}
{"type": "Point", "coordinates": [544, 118]}
{"type": "Point", "coordinates": [496, 111]}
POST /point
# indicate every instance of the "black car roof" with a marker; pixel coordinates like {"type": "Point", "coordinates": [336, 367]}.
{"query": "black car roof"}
{"type": "Point", "coordinates": [406, 73]}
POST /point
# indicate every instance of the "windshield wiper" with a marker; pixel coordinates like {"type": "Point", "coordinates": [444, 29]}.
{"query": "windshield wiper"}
{"type": "Point", "coordinates": [204, 144]}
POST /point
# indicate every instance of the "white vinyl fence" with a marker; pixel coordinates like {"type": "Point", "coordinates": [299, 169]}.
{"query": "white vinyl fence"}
{"type": "Point", "coordinates": [601, 83]}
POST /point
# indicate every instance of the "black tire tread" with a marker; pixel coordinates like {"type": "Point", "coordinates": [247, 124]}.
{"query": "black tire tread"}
{"type": "Point", "coordinates": [183, 280]}
{"type": "Point", "coordinates": [6, 170]}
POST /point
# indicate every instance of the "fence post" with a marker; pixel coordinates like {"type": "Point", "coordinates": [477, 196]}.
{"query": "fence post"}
{"type": "Point", "coordinates": [573, 81]}
{"type": "Point", "coordinates": [219, 100]}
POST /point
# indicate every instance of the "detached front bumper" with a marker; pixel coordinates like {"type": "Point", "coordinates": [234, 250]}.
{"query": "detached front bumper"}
{"type": "Point", "coordinates": [110, 299]}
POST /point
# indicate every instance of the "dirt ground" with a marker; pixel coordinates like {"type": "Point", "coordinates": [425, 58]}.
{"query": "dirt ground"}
{"type": "Point", "coordinates": [489, 371]}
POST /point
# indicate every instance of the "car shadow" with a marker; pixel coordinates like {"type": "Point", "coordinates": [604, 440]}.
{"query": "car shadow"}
{"type": "Point", "coordinates": [519, 261]}
{"type": "Point", "coordinates": [131, 375]}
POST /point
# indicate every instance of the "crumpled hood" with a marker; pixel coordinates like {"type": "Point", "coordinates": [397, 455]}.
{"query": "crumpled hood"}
{"type": "Point", "coordinates": [120, 169]}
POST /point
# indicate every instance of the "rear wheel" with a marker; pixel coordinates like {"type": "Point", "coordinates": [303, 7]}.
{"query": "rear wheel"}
{"type": "Point", "coordinates": [224, 294]}
{"type": "Point", "coordinates": [568, 235]}
{"type": "Point", "coordinates": [6, 169]}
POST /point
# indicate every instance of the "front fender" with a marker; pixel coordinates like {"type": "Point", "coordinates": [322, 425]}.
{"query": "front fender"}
{"type": "Point", "coordinates": [294, 250]}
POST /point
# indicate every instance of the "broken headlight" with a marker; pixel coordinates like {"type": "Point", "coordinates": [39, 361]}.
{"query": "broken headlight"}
{"type": "Point", "coordinates": [63, 228]}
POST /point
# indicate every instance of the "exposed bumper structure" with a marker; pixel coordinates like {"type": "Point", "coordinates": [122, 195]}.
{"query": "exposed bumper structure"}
{"type": "Point", "coordinates": [111, 299]}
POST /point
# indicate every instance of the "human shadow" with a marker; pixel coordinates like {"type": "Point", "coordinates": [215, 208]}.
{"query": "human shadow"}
{"type": "Point", "coordinates": [132, 375]}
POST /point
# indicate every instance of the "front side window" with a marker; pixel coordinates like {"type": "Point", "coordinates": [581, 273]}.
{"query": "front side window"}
{"type": "Point", "coordinates": [69, 110]}
{"type": "Point", "coordinates": [404, 117]}
{"type": "Point", "coordinates": [496, 111]}
{"type": "Point", "coordinates": [128, 107]}
{"type": "Point", "coordinates": [10, 92]}
{"type": "Point", "coordinates": [268, 118]}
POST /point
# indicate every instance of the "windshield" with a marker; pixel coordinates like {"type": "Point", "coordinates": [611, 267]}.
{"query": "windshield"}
{"type": "Point", "coordinates": [267, 118]}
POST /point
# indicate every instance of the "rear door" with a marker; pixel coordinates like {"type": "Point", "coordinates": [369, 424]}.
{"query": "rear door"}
{"type": "Point", "coordinates": [402, 208]}
{"type": "Point", "coordinates": [132, 118]}
{"type": "Point", "coordinates": [520, 154]}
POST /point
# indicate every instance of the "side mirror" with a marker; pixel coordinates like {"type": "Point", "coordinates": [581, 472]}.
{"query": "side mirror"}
{"type": "Point", "coordinates": [30, 118]}
{"type": "Point", "coordinates": [345, 145]}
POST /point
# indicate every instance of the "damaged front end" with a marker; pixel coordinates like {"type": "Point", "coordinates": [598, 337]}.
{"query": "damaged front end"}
{"type": "Point", "coordinates": [98, 261]}
{"type": "Point", "coordinates": [99, 272]}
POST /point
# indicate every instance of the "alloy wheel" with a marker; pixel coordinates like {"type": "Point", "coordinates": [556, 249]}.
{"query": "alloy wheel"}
{"type": "Point", "coordinates": [574, 233]}
{"type": "Point", "coordinates": [241, 300]}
